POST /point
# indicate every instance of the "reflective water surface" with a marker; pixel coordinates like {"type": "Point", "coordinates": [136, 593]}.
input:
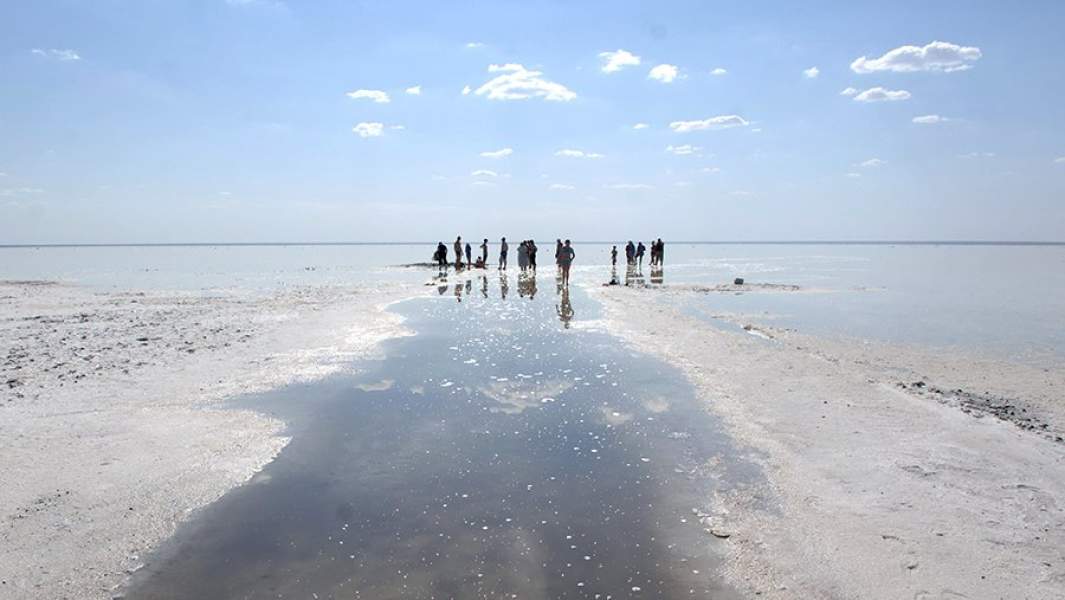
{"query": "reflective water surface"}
{"type": "Point", "coordinates": [502, 452]}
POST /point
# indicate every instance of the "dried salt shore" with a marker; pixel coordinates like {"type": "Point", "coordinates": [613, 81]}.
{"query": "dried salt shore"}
{"type": "Point", "coordinates": [111, 428]}
{"type": "Point", "coordinates": [891, 472]}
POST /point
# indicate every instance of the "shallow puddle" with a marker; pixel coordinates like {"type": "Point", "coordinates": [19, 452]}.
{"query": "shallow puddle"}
{"type": "Point", "coordinates": [499, 453]}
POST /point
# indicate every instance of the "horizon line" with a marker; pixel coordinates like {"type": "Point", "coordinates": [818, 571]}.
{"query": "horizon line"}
{"type": "Point", "coordinates": [425, 243]}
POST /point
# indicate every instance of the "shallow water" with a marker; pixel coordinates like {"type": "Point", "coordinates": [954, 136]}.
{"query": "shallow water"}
{"type": "Point", "coordinates": [500, 452]}
{"type": "Point", "coordinates": [1004, 300]}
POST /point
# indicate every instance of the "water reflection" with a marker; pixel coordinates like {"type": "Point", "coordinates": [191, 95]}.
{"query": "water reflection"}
{"type": "Point", "coordinates": [527, 284]}
{"type": "Point", "coordinates": [504, 285]}
{"type": "Point", "coordinates": [564, 308]}
{"type": "Point", "coordinates": [657, 276]}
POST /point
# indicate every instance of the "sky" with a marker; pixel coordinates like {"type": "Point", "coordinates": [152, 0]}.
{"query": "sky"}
{"type": "Point", "coordinates": [166, 121]}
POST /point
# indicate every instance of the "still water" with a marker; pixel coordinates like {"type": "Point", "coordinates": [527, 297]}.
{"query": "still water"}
{"type": "Point", "coordinates": [1004, 300]}
{"type": "Point", "coordinates": [502, 452]}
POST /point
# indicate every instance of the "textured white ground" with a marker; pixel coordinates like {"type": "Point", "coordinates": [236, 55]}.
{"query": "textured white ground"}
{"type": "Point", "coordinates": [111, 424]}
{"type": "Point", "coordinates": [872, 490]}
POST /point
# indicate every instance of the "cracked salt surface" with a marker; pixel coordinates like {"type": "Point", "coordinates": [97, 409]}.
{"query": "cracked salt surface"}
{"type": "Point", "coordinates": [530, 468]}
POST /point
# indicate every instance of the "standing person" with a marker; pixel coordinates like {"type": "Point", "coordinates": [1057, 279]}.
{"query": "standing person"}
{"type": "Point", "coordinates": [484, 252]}
{"type": "Point", "coordinates": [565, 261]}
{"type": "Point", "coordinates": [613, 257]}
{"type": "Point", "coordinates": [458, 253]}
{"type": "Point", "coordinates": [661, 251]}
{"type": "Point", "coordinates": [441, 255]}
{"type": "Point", "coordinates": [523, 256]}
{"type": "Point", "coordinates": [469, 257]}
{"type": "Point", "coordinates": [558, 252]}
{"type": "Point", "coordinates": [654, 252]}
{"type": "Point", "coordinates": [532, 254]}
{"type": "Point", "coordinates": [503, 247]}
{"type": "Point", "coordinates": [630, 252]}
{"type": "Point", "coordinates": [640, 249]}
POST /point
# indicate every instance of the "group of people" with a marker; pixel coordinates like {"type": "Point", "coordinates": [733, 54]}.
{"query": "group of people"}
{"type": "Point", "coordinates": [564, 256]}
{"type": "Point", "coordinates": [634, 253]}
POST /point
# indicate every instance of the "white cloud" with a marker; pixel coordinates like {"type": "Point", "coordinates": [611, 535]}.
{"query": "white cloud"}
{"type": "Point", "coordinates": [686, 149]}
{"type": "Point", "coordinates": [414, 90]}
{"type": "Point", "coordinates": [484, 173]}
{"type": "Point", "coordinates": [368, 130]}
{"type": "Point", "coordinates": [22, 191]}
{"type": "Point", "coordinates": [501, 153]}
{"type": "Point", "coordinates": [718, 72]}
{"type": "Point", "coordinates": [376, 95]}
{"type": "Point", "coordinates": [811, 73]}
{"type": "Point", "coordinates": [519, 83]}
{"type": "Point", "coordinates": [64, 55]}
{"type": "Point", "coordinates": [879, 94]}
{"type": "Point", "coordinates": [978, 155]}
{"type": "Point", "coordinates": [929, 119]}
{"type": "Point", "coordinates": [480, 183]}
{"type": "Point", "coordinates": [618, 60]}
{"type": "Point", "coordinates": [937, 56]}
{"type": "Point", "coordinates": [849, 92]}
{"type": "Point", "coordinates": [474, 45]}
{"type": "Point", "coordinates": [562, 187]}
{"type": "Point", "coordinates": [872, 163]}
{"type": "Point", "coordinates": [718, 122]}
{"type": "Point", "coordinates": [1060, 160]}
{"type": "Point", "coordinates": [627, 186]}
{"type": "Point", "coordinates": [571, 153]}
{"type": "Point", "coordinates": [640, 126]}
{"type": "Point", "coordinates": [710, 170]}
{"type": "Point", "coordinates": [397, 127]}
{"type": "Point", "coordinates": [852, 174]}
{"type": "Point", "coordinates": [664, 73]}
{"type": "Point", "coordinates": [466, 90]}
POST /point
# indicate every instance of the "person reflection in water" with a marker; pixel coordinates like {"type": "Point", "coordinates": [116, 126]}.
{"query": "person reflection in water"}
{"type": "Point", "coordinates": [504, 286]}
{"type": "Point", "coordinates": [484, 286]}
{"type": "Point", "coordinates": [527, 285]}
{"type": "Point", "coordinates": [458, 291]}
{"type": "Point", "coordinates": [564, 308]}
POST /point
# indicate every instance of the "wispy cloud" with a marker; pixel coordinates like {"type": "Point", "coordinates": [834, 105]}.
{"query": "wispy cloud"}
{"type": "Point", "coordinates": [519, 83]}
{"type": "Point", "coordinates": [482, 183]}
{"type": "Point", "coordinates": [414, 90]}
{"type": "Point", "coordinates": [466, 90]}
{"type": "Point", "coordinates": [937, 56]}
{"type": "Point", "coordinates": [21, 191]}
{"type": "Point", "coordinates": [853, 174]}
{"type": "Point", "coordinates": [501, 153]}
{"type": "Point", "coordinates": [664, 73]}
{"type": "Point", "coordinates": [377, 96]}
{"type": "Point", "coordinates": [628, 186]}
{"type": "Point", "coordinates": [473, 45]}
{"type": "Point", "coordinates": [977, 155]}
{"type": "Point", "coordinates": [719, 71]}
{"type": "Point", "coordinates": [572, 153]}
{"type": "Point", "coordinates": [849, 92]}
{"type": "Point", "coordinates": [683, 150]}
{"type": "Point", "coordinates": [879, 94]}
{"type": "Point", "coordinates": [618, 60]}
{"type": "Point", "coordinates": [710, 170]}
{"type": "Point", "coordinates": [640, 126]}
{"type": "Point", "coordinates": [1060, 160]}
{"type": "Point", "coordinates": [872, 163]}
{"type": "Point", "coordinates": [369, 130]}
{"type": "Point", "coordinates": [930, 119]}
{"type": "Point", "coordinates": [561, 187]}
{"type": "Point", "coordinates": [811, 73]}
{"type": "Point", "coordinates": [57, 54]}
{"type": "Point", "coordinates": [712, 123]}
{"type": "Point", "coordinates": [484, 173]}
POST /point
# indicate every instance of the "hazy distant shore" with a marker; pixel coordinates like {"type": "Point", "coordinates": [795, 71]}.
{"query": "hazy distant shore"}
{"type": "Point", "coordinates": [892, 472]}
{"type": "Point", "coordinates": [110, 410]}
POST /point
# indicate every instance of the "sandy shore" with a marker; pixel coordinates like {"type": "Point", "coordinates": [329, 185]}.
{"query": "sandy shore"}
{"type": "Point", "coordinates": [890, 472]}
{"type": "Point", "coordinates": [112, 429]}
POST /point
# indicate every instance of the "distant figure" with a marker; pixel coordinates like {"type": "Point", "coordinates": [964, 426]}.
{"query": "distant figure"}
{"type": "Point", "coordinates": [469, 253]}
{"type": "Point", "coordinates": [484, 251]}
{"type": "Point", "coordinates": [558, 252]}
{"type": "Point", "coordinates": [614, 256]}
{"type": "Point", "coordinates": [503, 247]}
{"type": "Point", "coordinates": [479, 263]}
{"type": "Point", "coordinates": [661, 252]}
{"type": "Point", "coordinates": [640, 249]}
{"type": "Point", "coordinates": [523, 256]}
{"type": "Point", "coordinates": [532, 254]}
{"type": "Point", "coordinates": [566, 261]}
{"type": "Point", "coordinates": [630, 252]}
{"type": "Point", "coordinates": [440, 256]}
{"type": "Point", "coordinates": [458, 253]}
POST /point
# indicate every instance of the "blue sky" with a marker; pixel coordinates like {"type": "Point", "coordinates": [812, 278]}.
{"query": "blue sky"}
{"type": "Point", "coordinates": [216, 120]}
